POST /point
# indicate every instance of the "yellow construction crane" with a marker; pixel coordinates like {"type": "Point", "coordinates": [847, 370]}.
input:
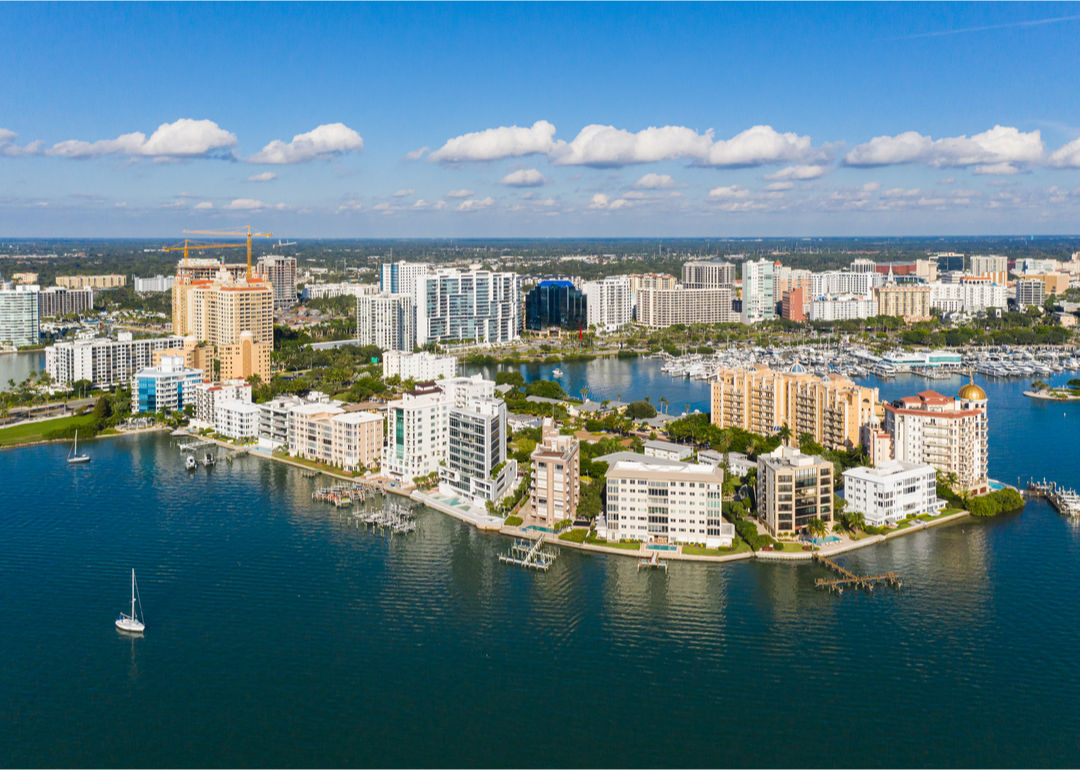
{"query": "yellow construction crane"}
{"type": "Point", "coordinates": [186, 247]}
{"type": "Point", "coordinates": [249, 235]}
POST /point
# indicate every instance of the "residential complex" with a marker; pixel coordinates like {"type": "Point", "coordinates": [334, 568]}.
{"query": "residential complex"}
{"type": "Point", "coordinates": [1030, 291]}
{"type": "Point", "coordinates": [400, 277]}
{"type": "Point", "coordinates": [609, 303]}
{"type": "Point", "coordinates": [556, 476]}
{"type": "Point", "coordinates": [792, 489]}
{"type": "Point", "coordinates": [948, 433]}
{"type": "Point", "coordinates": [476, 465]}
{"type": "Point", "coordinates": [20, 320]}
{"type": "Point", "coordinates": [476, 306]}
{"type": "Point", "coordinates": [236, 419]}
{"type": "Point", "coordinates": [660, 308]}
{"type": "Point", "coordinates": [327, 433]}
{"type": "Point", "coordinates": [418, 367]}
{"type": "Point", "coordinates": [666, 503]}
{"type": "Point", "coordinates": [93, 281]}
{"type": "Point", "coordinates": [167, 387]}
{"type": "Point", "coordinates": [892, 491]}
{"type": "Point", "coordinates": [209, 394]}
{"type": "Point", "coordinates": [711, 274]}
{"type": "Point", "coordinates": [105, 362]}
{"type": "Point", "coordinates": [386, 321]}
{"type": "Point", "coordinates": [831, 409]}
{"type": "Point", "coordinates": [158, 283]}
{"type": "Point", "coordinates": [842, 308]}
{"type": "Point", "coordinates": [909, 302]}
{"type": "Point", "coordinates": [992, 267]}
{"type": "Point", "coordinates": [758, 303]}
{"type": "Point", "coordinates": [325, 290]}
{"type": "Point", "coordinates": [280, 271]}
{"type": "Point", "coordinates": [416, 433]}
{"type": "Point", "coordinates": [57, 301]}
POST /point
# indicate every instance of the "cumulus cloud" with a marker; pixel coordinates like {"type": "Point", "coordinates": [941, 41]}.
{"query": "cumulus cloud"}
{"type": "Point", "coordinates": [9, 149]}
{"type": "Point", "coordinates": [266, 176]}
{"type": "Point", "coordinates": [598, 145]}
{"type": "Point", "coordinates": [476, 205]}
{"type": "Point", "coordinates": [996, 169]}
{"type": "Point", "coordinates": [780, 186]}
{"type": "Point", "coordinates": [204, 205]}
{"type": "Point", "coordinates": [323, 142]}
{"type": "Point", "coordinates": [423, 205]}
{"type": "Point", "coordinates": [497, 143]}
{"type": "Point", "coordinates": [899, 192]}
{"type": "Point", "coordinates": [760, 146]}
{"type": "Point", "coordinates": [350, 206]}
{"type": "Point", "coordinates": [728, 193]}
{"type": "Point", "coordinates": [185, 138]}
{"type": "Point", "coordinates": [657, 182]}
{"type": "Point", "coordinates": [404, 193]}
{"type": "Point", "coordinates": [599, 201]}
{"type": "Point", "coordinates": [415, 154]}
{"type": "Point", "coordinates": [798, 173]}
{"type": "Point", "coordinates": [525, 177]}
{"type": "Point", "coordinates": [1067, 156]}
{"type": "Point", "coordinates": [999, 146]}
{"type": "Point", "coordinates": [245, 204]}
{"type": "Point", "coordinates": [460, 194]}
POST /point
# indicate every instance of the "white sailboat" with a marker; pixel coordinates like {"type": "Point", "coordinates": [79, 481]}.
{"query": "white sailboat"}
{"type": "Point", "coordinates": [131, 622]}
{"type": "Point", "coordinates": [73, 455]}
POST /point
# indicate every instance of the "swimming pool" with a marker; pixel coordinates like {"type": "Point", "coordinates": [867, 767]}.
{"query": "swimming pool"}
{"type": "Point", "coordinates": [655, 547]}
{"type": "Point", "coordinates": [538, 528]}
{"type": "Point", "coordinates": [997, 485]}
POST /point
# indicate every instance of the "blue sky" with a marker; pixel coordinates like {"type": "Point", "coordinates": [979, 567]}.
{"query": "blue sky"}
{"type": "Point", "coordinates": [474, 120]}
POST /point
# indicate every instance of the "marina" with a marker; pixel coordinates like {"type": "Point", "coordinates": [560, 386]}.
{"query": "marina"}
{"type": "Point", "coordinates": [1066, 501]}
{"type": "Point", "coordinates": [346, 494]}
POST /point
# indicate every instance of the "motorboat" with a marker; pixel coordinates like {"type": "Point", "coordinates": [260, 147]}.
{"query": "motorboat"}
{"type": "Point", "coordinates": [556, 372]}
{"type": "Point", "coordinates": [190, 463]}
{"type": "Point", "coordinates": [208, 460]}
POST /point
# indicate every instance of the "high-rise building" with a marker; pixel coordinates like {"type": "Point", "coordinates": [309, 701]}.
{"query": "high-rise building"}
{"type": "Point", "coordinates": [556, 476]}
{"type": "Point", "coordinates": [863, 266]}
{"type": "Point", "coordinates": [476, 465]}
{"type": "Point", "coordinates": [660, 308]}
{"type": "Point", "coordinates": [608, 303]}
{"type": "Point", "coordinates": [711, 274]}
{"type": "Point", "coordinates": [20, 320]}
{"type": "Point", "coordinates": [418, 367]}
{"type": "Point", "coordinates": [158, 283]}
{"type": "Point", "coordinates": [786, 279]}
{"type": "Point", "coordinates": [792, 306]}
{"type": "Point", "coordinates": [245, 357]}
{"type": "Point", "coordinates": [57, 301]}
{"type": "Point", "coordinates": [386, 321]}
{"type": "Point", "coordinates": [831, 409]}
{"type": "Point", "coordinates": [93, 281]}
{"type": "Point", "coordinates": [104, 362]}
{"type": "Point", "coordinates": [208, 394]}
{"type": "Point", "coordinates": [168, 387]}
{"type": "Point", "coordinates": [1030, 291]}
{"type": "Point", "coordinates": [792, 489]}
{"type": "Point", "coordinates": [280, 271]}
{"type": "Point", "coordinates": [416, 433]}
{"type": "Point", "coordinates": [456, 306]}
{"type": "Point", "coordinates": [328, 434]}
{"type": "Point", "coordinates": [757, 291]}
{"type": "Point", "coordinates": [400, 277]}
{"type": "Point", "coordinates": [552, 304]}
{"type": "Point", "coordinates": [236, 419]}
{"type": "Point", "coordinates": [991, 266]}
{"type": "Point", "coordinates": [1053, 283]}
{"type": "Point", "coordinates": [842, 282]}
{"type": "Point", "coordinates": [970, 295]}
{"type": "Point", "coordinates": [947, 261]}
{"type": "Point", "coordinates": [324, 290]}
{"type": "Point", "coordinates": [666, 503]}
{"type": "Point", "coordinates": [911, 303]}
{"type": "Point", "coordinates": [842, 307]}
{"type": "Point", "coordinates": [945, 432]}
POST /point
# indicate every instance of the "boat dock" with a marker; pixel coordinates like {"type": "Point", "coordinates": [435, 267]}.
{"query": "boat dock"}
{"type": "Point", "coordinates": [848, 578]}
{"type": "Point", "coordinates": [191, 446]}
{"type": "Point", "coordinates": [399, 519]}
{"type": "Point", "coordinates": [652, 562]}
{"type": "Point", "coordinates": [1066, 501]}
{"type": "Point", "coordinates": [529, 554]}
{"type": "Point", "coordinates": [346, 494]}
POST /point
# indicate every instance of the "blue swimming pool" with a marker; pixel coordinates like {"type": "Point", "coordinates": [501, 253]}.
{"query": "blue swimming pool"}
{"type": "Point", "coordinates": [655, 547]}
{"type": "Point", "coordinates": [538, 528]}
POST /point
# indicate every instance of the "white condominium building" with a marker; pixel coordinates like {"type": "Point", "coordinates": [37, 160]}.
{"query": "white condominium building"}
{"type": "Point", "coordinates": [104, 362]}
{"type": "Point", "coordinates": [328, 434]}
{"type": "Point", "coordinates": [970, 295]}
{"type": "Point", "coordinates": [167, 387]}
{"type": "Point", "coordinates": [660, 308]}
{"type": "Point", "coordinates": [711, 274]}
{"type": "Point", "coordinates": [274, 421]}
{"type": "Point", "coordinates": [758, 303]}
{"type": "Point", "coordinates": [991, 266]}
{"type": "Point", "coordinates": [666, 504]}
{"type": "Point", "coordinates": [474, 306]}
{"type": "Point", "coordinates": [158, 283]}
{"type": "Point", "coordinates": [209, 394]}
{"type": "Point", "coordinates": [416, 433]}
{"type": "Point", "coordinates": [1029, 291]}
{"type": "Point", "coordinates": [400, 277]}
{"type": "Point", "coordinates": [843, 282]}
{"type": "Point", "coordinates": [324, 290]}
{"type": "Point", "coordinates": [280, 271]}
{"type": "Point", "coordinates": [418, 367]}
{"type": "Point", "coordinates": [57, 301]}
{"type": "Point", "coordinates": [555, 487]}
{"type": "Point", "coordinates": [386, 321]}
{"type": "Point", "coordinates": [609, 304]}
{"type": "Point", "coordinates": [476, 465]}
{"type": "Point", "coordinates": [236, 419]}
{"type": "Point", "coordinates": [945, 432]}
{"type": "Point", "coordinates": [892, 491]}
{"type": "Point", "coordinates": [20, 319]}
{"type": "Point", "coordinates": [842, 308]}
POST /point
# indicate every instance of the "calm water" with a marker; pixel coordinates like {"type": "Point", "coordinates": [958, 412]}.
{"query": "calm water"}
{"type": "Point", "coordinates": [280, 635]}
{"type": "Point", "coordinates": [18, 366]}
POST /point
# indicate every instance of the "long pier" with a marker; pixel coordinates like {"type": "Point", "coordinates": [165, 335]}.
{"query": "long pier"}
{"type": "Point", "coordinates": [848, 578]}
{"type": "Point", "coordinates": [1064, 500]}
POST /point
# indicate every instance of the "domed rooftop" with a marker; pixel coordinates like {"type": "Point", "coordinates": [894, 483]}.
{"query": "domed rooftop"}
{"type": "Point", "coordinates": [797, 368]}
{"type": "Point", "coordinates": [971, 392]}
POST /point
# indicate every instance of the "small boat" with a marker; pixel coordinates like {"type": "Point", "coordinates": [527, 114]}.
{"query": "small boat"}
{"type": "Point", "coordinates": [208, 460]}
{"type": "Point", "coordinates": [556, 372]}
{"type": "Point", "coordinates": [131, 623]}
{"type": "Point", "coordinates": [191, 463]}
{"type": "Point", "coordinates": [74, 457]}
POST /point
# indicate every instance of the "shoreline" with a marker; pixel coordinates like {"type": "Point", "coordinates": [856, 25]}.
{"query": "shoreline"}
{"type": "Point", "coordinates": [1042, 395]}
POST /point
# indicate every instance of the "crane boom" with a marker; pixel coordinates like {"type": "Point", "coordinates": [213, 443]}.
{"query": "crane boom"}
{"type": "Point", "coordinates": [248, 233]}
{"type": "Point", "coordinates": [186, 247]}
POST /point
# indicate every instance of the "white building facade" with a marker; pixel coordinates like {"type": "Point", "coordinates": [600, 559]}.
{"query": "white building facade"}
{"type": "Point", "coordinates": [419, 367]}
{"type": "Point", "coordinates": [20, 315]}
{"type": "Point", "coordinates": [208, 394]}
{"type": "Point", "coordinates": [236, 419]}
{"type": "Point", "coordinates": [842, 308]}
{"type": "Point", "coordinates": [386, 321]}
{"type": "Point", "coordinates": [609, 303]}
{"type": "Point", "coordinates": [472, 306]}
{"type": "Point", "coordinates": [104, 362]}
{"type": "Point", "coordinates": [892, 491]}
{"type": "Point", "coordinates": [758, 303]}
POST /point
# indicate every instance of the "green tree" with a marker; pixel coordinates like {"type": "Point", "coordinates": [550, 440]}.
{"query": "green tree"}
{"type": "Point", "coordinates": [640, 410]}
{"type": "Point", "coordinates": [784, 433]}
{"type": "Point", "coordinates": [817, 527]}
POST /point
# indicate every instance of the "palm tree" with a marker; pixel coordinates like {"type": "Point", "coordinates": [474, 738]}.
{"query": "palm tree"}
{"type": "Point", "coordinates": [663, 403]}
{"type": "Point", "coordinates": [784, 433]}
{"type": "Point", "coordinates": [752, 446]}
{"type": "Point", "coordinates": [817, 527]}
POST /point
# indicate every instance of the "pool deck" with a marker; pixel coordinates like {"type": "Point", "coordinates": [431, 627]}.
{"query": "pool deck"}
{"type": "Point", "coordinates": [474, 514]}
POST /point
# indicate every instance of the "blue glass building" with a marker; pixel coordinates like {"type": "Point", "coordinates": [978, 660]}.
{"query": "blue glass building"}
{"type": "Point", "coordinates": [555, 303]}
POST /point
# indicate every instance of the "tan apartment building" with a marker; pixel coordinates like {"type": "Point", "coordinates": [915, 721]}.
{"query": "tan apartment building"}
{"type": "Point", "coordinates": [556, 476]}
{"type": "Point", "coordinates": [1055, 283]}
{"type": "Point", "coordinates": [993, 267]}
{"type": "Point", "coordinates": [25, 278]}
{"type": "Point", "coordinates": [245, 357]}
{"type": "Point", "coordinates": [329, 434]}
{"type": "Point", "coordinates": [93, 281]}
{"type": "Point", "coordinates": [912, 303]}
{"type": "Point", "coordinates": [710, 274]}
{"type": "Point", "coordinates": [792, 489]}
{"type": "Point", "coordinates": [195, 355]}
{"type": "Point", "coordinates": [832, 409]}
{"type": "Point", "coordinates": [643, 281]}
{"type": "Point", "coordinates": [660, 308]}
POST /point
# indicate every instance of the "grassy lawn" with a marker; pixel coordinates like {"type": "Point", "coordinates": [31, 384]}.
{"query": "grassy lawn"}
{"type": "Point", "coordinates": [61, 427]}
{"type": "Point", "coordinates": [322, 466]}
{"type": "Point", "coordinates": [575, 535]}
{"type": "Point", "coordinates": [623, 546]}
{"type": "Point", "coordinates": [740, 546]}
{"type": "Point", "coordinates": [513, 521]}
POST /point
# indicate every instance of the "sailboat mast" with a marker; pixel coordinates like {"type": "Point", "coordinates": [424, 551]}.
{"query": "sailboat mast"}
{"type": "Point", "coordinates": [133, 594]}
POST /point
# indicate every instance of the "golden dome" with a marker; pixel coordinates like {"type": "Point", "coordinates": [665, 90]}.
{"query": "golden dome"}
{"type": "Point", "coordinates": [971, 392]}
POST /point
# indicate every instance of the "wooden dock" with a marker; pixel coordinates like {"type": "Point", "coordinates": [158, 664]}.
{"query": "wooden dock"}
{"type": "Point", "coordinates": [652, 562]}
{"type": "Point", "coordinates": [848, 578]}
{"type": "Point", "coordinates": [529, 554]}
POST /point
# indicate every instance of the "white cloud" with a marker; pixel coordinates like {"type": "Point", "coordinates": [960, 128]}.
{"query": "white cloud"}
{"type": "Point", "coordinates": [599, 201]}
{"type": "Point", "coordinates": [525, 177]}
{"type": "Point", "coordinates": [1067, 156]}
{"type": "Point", "coordinates": [871, 186]}
{"type": "Point", "coordinates": [657, 182]}
{"type": "Point", "coordinates": [598, 145]}
{"type": "Point", "coordinates": [497, 143]}
{"type": "Point", "coordinates": [780, 186]}
{"type": "Point", "coordinates": [759, 146]}
{"type": "Point", "coordinates": [798, 173]}
{"type": "Point", "coordinates": [266, 176]}
{"type": "Point", "coordinates": [476, 205]}
{"type": "Point", "coordinates": [323, 142]}
{"type": "Point", "coordinates": [350, 206]}
{"type": "Point", "coordinates": [899, 192]}
{"type": "Point", "coordinates": [728, 193]}
{"type": "Point", "coordinates": [999, 146]}
{"type": "Point", "coordinates": [249, 204]}
{"type": "Point", "coordinates": [423, 205]}
{"type": "Point", "coordinates": [185, 138]}
{"type": "Point", "coordinates": [415, 154]}
{"type": "Point", "coordinates": [996, 169]}
{"type": "Point", "coordinates": [204, 205]}
{"type": "Point", "coordinates": [460, 194]}
{"type": "Point", "coordinates": [10, 149]}
{"type": "Point", "coordinates": [404, 193]}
